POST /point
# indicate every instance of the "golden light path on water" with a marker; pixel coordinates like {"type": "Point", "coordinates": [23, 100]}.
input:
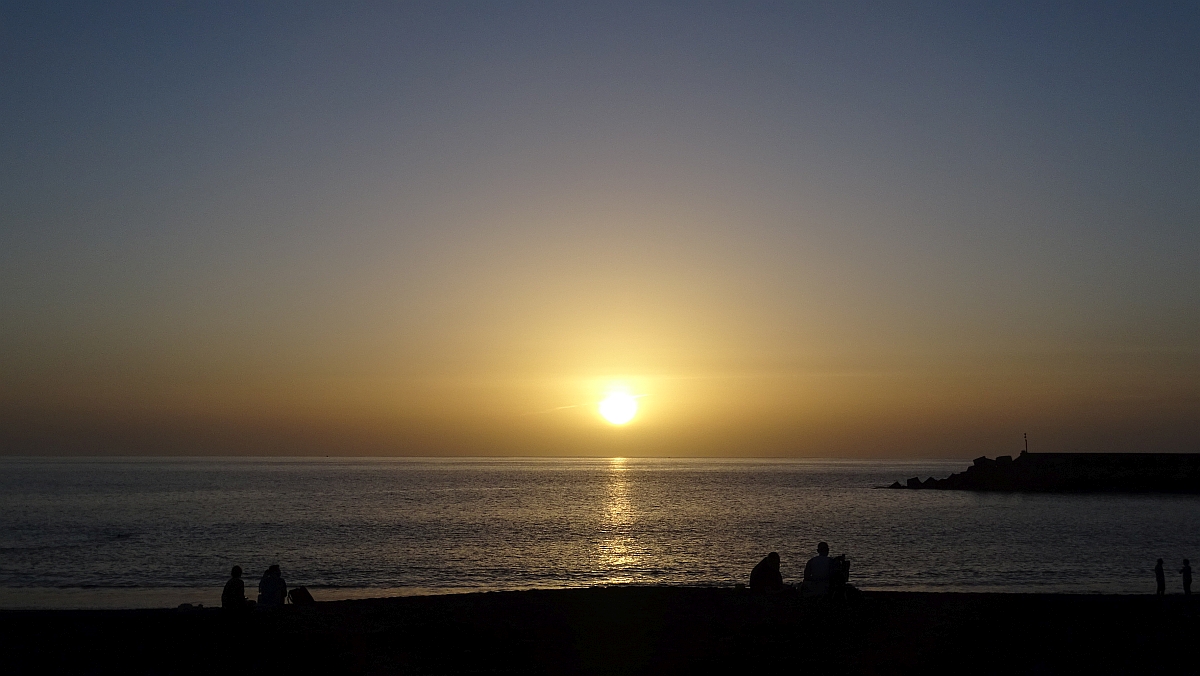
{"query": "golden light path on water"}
{"type": "Point", "coordinates": [617, 550]}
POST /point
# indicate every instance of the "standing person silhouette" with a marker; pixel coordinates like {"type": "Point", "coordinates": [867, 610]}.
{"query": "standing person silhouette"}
{"type": "Point", "coordinates": [1159, 578]}
{"type": "Point", "coordinates": [1186, 572]}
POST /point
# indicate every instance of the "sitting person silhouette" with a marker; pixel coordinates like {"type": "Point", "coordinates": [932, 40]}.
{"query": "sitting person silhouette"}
{"type": "Point", "coordinates": [1186, 572]}
{"type": "Point", "coordinates": [818, 572]}
{"type": "Point", "coordinates": [272, 590]}
{"type": "Point", "coordinates": [234, 595]}
{"type": "Point", "coordinates": [1159, 578]}
{"type": "Point", "coordinates": [766, 577]}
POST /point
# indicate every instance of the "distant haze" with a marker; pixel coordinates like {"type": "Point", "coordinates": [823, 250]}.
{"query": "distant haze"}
{"type": "Point", "coordinates": [449, 229]}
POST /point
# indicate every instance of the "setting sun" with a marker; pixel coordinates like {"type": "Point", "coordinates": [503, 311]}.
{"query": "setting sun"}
{"type": "Point", "coordinates": [619, 408]}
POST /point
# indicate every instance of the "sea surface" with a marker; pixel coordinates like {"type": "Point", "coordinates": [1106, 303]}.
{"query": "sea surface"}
{"type": "Point", "coordinates": [136, 532]}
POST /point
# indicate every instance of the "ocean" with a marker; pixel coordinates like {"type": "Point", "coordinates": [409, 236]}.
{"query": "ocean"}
{"type": "Point", "coordinates": [155, 532]}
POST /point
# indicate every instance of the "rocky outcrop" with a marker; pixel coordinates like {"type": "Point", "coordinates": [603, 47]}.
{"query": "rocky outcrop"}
{"type": "Point", "coordinates": [1074, 472]}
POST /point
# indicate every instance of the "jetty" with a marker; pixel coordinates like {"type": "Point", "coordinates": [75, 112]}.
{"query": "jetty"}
{"type": "Point", "coordinates": [1073, 473]}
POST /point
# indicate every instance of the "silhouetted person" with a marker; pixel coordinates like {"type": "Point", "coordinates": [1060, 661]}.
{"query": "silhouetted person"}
{"type": "Point", "coordinates": [272, 590]}
{"type": "Point", "coordinates": [818, 572]}
{"type": "Point", "coordinates": [234, 595]}
{"type": "Point", "coordinates": [765, 577]}
{"type": "Point", "coordinates": [1186, 572]}
{"type": "Point", "coordinates": [1159, 578]}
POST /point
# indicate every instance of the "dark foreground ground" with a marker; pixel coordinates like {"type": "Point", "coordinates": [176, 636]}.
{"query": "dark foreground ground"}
{"type": "Point", "coordinates": [624, 630]}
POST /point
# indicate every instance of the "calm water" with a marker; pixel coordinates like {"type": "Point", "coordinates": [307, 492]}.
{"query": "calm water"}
{"type": "Point", "coordinates": [135, 532]}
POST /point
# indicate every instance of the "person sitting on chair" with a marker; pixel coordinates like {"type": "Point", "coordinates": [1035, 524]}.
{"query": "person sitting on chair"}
{"type": "Point", "coordinates": [818, 572]}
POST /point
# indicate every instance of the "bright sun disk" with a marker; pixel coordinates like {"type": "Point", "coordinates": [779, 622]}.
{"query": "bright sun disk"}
{"type": "Point", "coordinates": [619, 408]}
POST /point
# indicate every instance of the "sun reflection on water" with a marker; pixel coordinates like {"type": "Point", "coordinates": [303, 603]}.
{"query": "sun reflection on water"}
{"type": "Point", "coordinates": [617, 549]}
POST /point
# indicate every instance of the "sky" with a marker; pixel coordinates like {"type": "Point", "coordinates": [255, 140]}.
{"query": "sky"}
{"type": "Point", "coordinates": [788, 229]}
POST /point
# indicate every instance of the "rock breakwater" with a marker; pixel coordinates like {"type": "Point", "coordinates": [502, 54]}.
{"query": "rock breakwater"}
{"type": "Point", "coordinates": [1073, 472]}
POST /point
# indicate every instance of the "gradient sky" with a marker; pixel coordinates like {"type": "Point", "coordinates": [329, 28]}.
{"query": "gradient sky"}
{"type": "Point", "coordinates": [422, 229]}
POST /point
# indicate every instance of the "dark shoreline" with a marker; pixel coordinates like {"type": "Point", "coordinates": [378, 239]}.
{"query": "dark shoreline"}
{"type": "Point", "coordinates": [1073, 473]}
{"type": "Point", "coordinates": [623, 630]}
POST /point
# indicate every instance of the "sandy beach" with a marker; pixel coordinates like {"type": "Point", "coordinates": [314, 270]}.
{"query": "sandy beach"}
{"type": "Point", "coordinates": [623, 630]}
